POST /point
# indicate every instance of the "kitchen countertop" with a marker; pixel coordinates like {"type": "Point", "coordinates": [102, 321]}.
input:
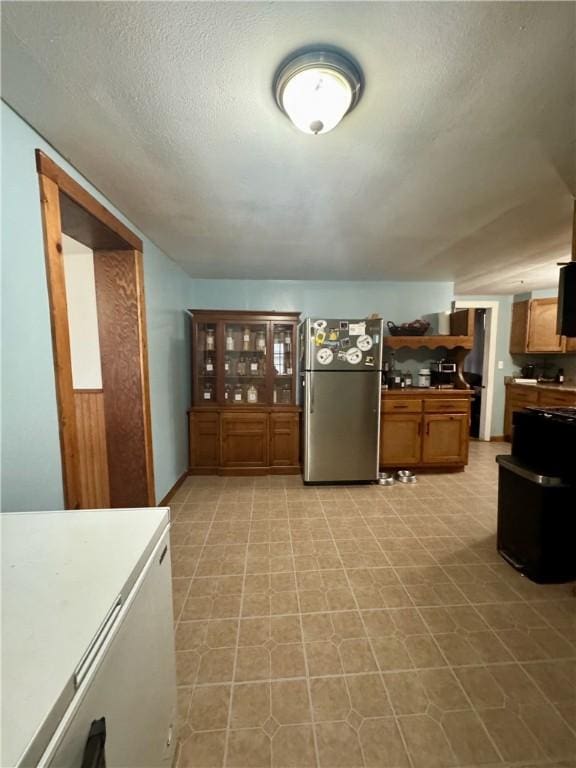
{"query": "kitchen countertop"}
{"type": "Point", "coordinates": [61, 574]}
{"type": "Point", "coordinates": [571, 388]}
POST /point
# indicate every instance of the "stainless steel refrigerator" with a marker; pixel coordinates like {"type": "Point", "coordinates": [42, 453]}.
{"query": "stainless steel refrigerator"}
{"type": "Point", "coordinates": [340, 379]}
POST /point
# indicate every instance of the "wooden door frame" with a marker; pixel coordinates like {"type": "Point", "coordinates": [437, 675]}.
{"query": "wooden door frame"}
{"type": "Point", "coordinates": [67, 207]}
{"type": "Point", "coordinates": [489, 361]}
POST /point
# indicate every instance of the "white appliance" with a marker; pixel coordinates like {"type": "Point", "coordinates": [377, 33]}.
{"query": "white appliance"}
{"type": "Point", "coordinates": [87, 639]}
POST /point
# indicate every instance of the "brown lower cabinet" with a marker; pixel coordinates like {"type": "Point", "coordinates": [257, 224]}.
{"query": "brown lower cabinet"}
{"type": "Point", "coordinates": [519, 396]}
{"type": "Point", "coordinates": [400, 439]}
{"type": "Point", "coordinates": [250, 442]}
{"type": "Point", "coordinates": [424, 431]}
{"type": "Point", "coordinates": [445, 439]}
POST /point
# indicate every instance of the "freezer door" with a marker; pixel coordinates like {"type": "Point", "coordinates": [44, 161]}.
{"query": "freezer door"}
{"type": "Point", "coordinates": [341, 345]}
{"type": "Point", "coordinates": [341, 426]}
{"type": "Point", "coordinates": [130, 681]}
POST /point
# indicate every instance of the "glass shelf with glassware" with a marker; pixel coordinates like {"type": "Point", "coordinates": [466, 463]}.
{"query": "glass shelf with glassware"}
{"type": "Point", "coordinates": [243, 359]}
{"type": "Point", "coordinates": [283, 362]}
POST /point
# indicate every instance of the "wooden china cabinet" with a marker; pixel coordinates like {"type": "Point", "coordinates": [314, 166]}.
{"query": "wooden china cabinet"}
{"type": "Point", "coordinates": [244, 419]}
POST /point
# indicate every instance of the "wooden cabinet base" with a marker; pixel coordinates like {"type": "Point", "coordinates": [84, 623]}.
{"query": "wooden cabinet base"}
{"type": "Point", "coordinates": [520, 396]}
{"type": "Point", "coordinates": [425, 429]}
{"type": "Point", "coordinates": [244, 442]}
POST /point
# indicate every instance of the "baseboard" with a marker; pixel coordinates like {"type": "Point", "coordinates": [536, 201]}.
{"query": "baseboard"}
{"type": "Point", "coordinates": [499, 439]}
{"type": "Point", "coordinates": [246, 471]}
{"type": "Point", "coordinates": [173, 490]}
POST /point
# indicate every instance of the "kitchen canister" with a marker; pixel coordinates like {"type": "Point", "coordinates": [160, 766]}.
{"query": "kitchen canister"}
{"type": "Point", "coordinates": [424, 377]}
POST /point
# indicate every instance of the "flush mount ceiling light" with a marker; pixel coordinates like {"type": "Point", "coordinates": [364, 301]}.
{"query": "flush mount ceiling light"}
{"type": "Point", "coordinates": [316, 89]}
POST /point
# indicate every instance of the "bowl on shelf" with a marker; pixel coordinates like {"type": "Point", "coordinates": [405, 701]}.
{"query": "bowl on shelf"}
{"type": "Point", "coordinates": [415, 328]}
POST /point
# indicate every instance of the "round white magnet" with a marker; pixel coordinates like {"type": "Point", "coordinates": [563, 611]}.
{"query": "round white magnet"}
{"type": "Point", "coordinates": [364, 343]}
{"type": "Point", "coordinates": [325, 356]}
{"type": "Point", "coordinates": [353, 355]}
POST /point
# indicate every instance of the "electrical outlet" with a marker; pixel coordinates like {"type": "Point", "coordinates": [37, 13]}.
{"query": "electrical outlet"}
{"type": "Point", "coordinates": [500, 364]}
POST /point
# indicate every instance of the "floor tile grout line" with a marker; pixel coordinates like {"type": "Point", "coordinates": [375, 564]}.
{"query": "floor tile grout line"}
{"type": "Point", "coordinates": [375, 659]}
{"type": "Point", "coordinates": [195, 568]}
{"type": "Point", "coordinates": [234, 665]}
{"type": "Point", "coordinates": [175, 625]}
{"type": "Point", "coordinates": [515, 661]}
{"type": "Point", "coordinates": [419, 607]}
{"type": "Point", "coordinates": [306, 666]}
{"type": "Point", "coordinates": [351, 674]}
{"type": "Point", "coordinates": [370, 520]}
{"type": "Point", "coordinates": [553, 704]}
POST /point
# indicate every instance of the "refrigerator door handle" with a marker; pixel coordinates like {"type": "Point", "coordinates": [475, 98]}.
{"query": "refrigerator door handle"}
{"type": "Point", "coordinates": [311, 394]}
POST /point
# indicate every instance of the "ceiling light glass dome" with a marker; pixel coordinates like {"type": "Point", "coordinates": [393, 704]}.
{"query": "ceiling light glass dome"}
{"type": "Point", "coordinates": [317, 89]}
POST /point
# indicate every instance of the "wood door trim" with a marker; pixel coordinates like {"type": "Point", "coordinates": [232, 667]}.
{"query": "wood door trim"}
{"type": "Point", "coordinates": [144, 374]}
{"type": "Point", "coordinates": [124, 370]}
{"type": "Point", "coordinates": [68, 186]}
{"type": "Point", "coordinates": [55, 186]}
{"type": "Point", "coordinates": [51, 226]}
{"type": "Point", "coordinates": [92, 448]}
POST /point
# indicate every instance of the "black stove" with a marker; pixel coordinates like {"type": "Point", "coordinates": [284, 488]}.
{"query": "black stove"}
{"type": "Point", "coordinates": [563, 413]}
{"type": "Point", "coordinates": [537, 495]}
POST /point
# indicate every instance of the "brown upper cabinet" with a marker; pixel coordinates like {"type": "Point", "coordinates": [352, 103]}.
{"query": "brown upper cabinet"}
{"type": "Point", "coordinates": [243, 359]}
{"type": "Point", "coordinates": [533, 327]}
{"type": "Point", "coordinates": [462, 322]}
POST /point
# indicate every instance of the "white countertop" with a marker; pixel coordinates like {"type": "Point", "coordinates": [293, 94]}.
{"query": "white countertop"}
{"type": "Point", "coordinates": [61, 573]}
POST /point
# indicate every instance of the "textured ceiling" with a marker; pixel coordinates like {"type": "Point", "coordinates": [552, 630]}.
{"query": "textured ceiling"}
{"type": "Point", "coordinates": [458, 163]}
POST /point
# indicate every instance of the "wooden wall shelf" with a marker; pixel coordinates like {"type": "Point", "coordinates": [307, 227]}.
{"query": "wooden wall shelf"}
{"type": "Point", "coordinates": [428, 342]}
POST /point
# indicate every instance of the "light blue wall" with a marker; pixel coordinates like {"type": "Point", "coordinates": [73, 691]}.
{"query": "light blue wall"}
{"type": "Point", "coordinates": [396, 301]}
{"type": "Point", "coordinates": [31, 470]}
{"type": "Point", "coordinates": [541, 293]}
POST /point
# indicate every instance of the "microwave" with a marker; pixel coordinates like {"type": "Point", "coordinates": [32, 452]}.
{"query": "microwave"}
{"type": "Point", "coordinates": [443, 366]}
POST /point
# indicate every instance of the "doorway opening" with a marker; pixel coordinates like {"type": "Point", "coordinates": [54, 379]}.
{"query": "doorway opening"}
{"type": "Point", "coordinates": [489, 326]}
{"type": "Point", "coordinates": [474, 370]}
{"type": "Point", "coordinates": [98, 319]}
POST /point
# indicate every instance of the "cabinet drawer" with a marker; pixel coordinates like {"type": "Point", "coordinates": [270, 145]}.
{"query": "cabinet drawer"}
{"type": "Point", "coordinates": [392, 405]}
{"type": "Point", "coordinates": [523, 395]}
{"type": "Point", "coordinates": [549, 397]}
{"type": "Point", "coordinates": [243, 423]}
{"type": "Point", "coordinates": [455, 405]}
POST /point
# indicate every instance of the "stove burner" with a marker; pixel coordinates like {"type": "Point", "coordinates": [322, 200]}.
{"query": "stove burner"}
{"type": "Point", "coordinates": [564, 413]}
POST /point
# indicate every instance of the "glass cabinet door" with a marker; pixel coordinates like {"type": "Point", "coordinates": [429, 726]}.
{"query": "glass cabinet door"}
{"type": "Point", "coordinates": [283, 361]}
{"type": "Point", "coordinates": [245, 363]}
{"type": "Point", "coordinates": [207, 341]}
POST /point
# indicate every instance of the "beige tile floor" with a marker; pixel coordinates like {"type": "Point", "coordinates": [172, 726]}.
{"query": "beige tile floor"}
{"type": "Point", "coordinates": [365, 626]}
